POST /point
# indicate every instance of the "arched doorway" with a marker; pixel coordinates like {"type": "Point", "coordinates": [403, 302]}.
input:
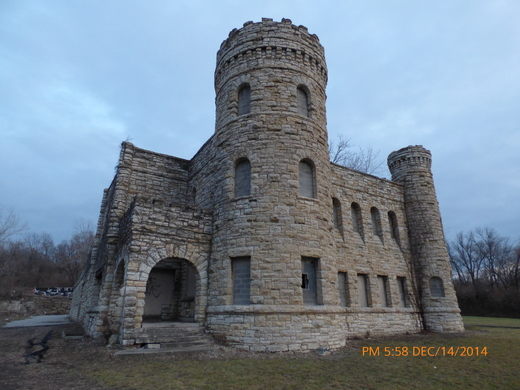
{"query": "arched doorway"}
{"type": "Point", "coordinates": [171, 291]}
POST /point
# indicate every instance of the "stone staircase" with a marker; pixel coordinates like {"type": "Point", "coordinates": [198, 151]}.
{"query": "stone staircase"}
{"type": "Point", "coordinates": [174, 337]}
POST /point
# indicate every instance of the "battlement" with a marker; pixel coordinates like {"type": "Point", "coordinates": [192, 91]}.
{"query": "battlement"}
{"type": "Point", "coordinates": [282, 42]}
{"type": "Point", "coordinates": [409, 157]}
{"type": "Point", "coordinates": [272, 29]}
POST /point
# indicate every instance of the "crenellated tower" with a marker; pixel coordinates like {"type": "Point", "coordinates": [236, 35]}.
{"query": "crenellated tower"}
{"type": "Point", "coordinates": [411, 167]}
{"type": "Point", "coordinates": [270, 82]}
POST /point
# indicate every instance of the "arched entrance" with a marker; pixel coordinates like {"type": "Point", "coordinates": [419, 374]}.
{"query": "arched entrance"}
{"type": "Point", "coordinates": [171, 292]}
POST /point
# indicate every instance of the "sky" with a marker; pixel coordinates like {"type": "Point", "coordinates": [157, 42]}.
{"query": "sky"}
{"type": "Point", "coordinates": [79, 77]}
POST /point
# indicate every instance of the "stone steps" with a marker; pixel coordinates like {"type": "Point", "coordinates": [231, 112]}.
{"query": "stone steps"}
{"type": "Point", "coordinates": [174, 336]}
{"type": "Point", "coordinates": [174, 350]}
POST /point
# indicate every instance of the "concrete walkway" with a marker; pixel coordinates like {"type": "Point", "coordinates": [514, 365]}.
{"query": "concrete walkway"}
{"type": "Point", "coordinates": [39, 321]}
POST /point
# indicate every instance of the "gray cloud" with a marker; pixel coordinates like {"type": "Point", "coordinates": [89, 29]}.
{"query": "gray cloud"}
{"type": "Point", "coordinates": [78, 78]}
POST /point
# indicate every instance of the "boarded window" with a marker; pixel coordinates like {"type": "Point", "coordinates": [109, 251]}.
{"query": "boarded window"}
{"type": "Point", "coordinates": [363, 290]}
{"type": "Point", "coordinates": [376, 223]}
{"type": "Point", "coordinates": [303, 100]}
{"type": "Point", "coordinates": [357, 221]}
{"type": "Point", "coordinates": [436, 287]}
{"type": "Point", "coordinates": [394, 228]}
{"type": "Point", "coordinates": [403, 291]}
{"type": "Point", "coordinates": [337, 217]}
{"type": "Point", "coordinates": [344, 297]}
{"type": "Point", "coordinates": [244, 99]}
{"type": "Point", "coordinates": [242, 178]}
{"type": "Point", "coordinates": [309, 281]}
{"type": "Point", "coordinates": [241, 270]}
{"type": "Point", "coordinates": [306, 179]}
{"type": "Point", "coordinates": [384, 290]}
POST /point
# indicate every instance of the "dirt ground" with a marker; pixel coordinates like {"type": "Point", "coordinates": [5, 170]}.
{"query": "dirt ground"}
{"type": "Point", "coordinates": [67, 362]}
{"type": "Point", "coordinates": [57, 371]}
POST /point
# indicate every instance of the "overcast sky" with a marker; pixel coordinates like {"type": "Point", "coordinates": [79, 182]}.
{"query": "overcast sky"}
{"type": "Point", "coordinates": [79, 77]}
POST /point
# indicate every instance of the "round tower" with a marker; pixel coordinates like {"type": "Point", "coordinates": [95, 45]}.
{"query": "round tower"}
{"type": "Point", "coordinates": [272, 199]}
{"type": "Point", "coordinates": [411, 167]}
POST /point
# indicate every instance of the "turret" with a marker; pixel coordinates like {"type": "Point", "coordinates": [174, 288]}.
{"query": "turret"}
{"type": "Point", "coordinates": [411, 167]}
{"type": "Point", "coordinates": [270, 81]}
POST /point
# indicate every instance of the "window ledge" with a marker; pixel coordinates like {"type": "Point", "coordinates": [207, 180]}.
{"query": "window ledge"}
{"type": "Point", "coordinates": [307, 198]}
{"type": "Point", "coordinates": [236, 199]}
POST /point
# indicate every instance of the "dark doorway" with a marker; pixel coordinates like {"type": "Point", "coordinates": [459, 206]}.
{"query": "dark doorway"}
{"type": "Point", "coordinates": [171, 292]}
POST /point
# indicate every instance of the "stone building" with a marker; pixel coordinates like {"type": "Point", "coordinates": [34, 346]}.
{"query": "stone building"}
{"type": "Point", "coordinates": [259, 239]}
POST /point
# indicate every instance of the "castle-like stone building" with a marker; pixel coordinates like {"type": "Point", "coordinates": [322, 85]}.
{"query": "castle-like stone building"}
{"type": "Point", "coordinates": [259, 239]}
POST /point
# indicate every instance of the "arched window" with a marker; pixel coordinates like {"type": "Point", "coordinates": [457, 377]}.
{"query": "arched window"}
{"type": "Point", "coordinates": [394, 228]}
{"type": "Point", "coordinates": [357, 221]}
{"type": "Point", "coordinates": [337, 218]}
{"type": "Point", "coordinates": [242, 177]}
{"type": "Point", "coordinates": [303, 100]}
{"type": "Point", "coordinates": [306, 179]}
{"type": "Point", "coordinates": [376, 223]}
{"type": "Point", "coordinates": [436, 287]}
{"type": "Point", "coordinates": [244, 99]}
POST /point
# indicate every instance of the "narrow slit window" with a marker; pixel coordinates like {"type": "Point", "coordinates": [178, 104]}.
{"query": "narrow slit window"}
{"type": "Point", "coordinates": [306, 179]}
{"type": "Point", "coordinates": [363, 290]}
{"type": "Point", "coordinates": [309, 280]}
{"type": "Point", "coordinates": [394, 227]}
{"type": "Point", "coordinates": [303, 100]}
{"type": "Point", "coordinates": [384, 290]}
{"type": "Point", "coordinates": [337, 217]}
{"type": "Point", "coordinates": [357, 221]}
{"type": "Point", "coordinates": [376, 223]}
{"type": "Point", "coordinates": [241, 274]}
{"type": "Point", "coordinates": [344, 297]}
{"type": "Point", "coordinates": [244, 99]}
{"type": "Point", "coordinates": [242, 178]}
{"type": "Point", "coordinates": [403, 291]}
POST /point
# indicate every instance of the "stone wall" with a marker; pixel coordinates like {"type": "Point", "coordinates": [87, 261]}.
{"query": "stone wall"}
{"type": "Point", "coordinates": [35, 305]}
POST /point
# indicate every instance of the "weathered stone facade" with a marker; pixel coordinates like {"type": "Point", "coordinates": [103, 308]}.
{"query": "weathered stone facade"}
{"type": "Point", "coordinates": [267, 244]}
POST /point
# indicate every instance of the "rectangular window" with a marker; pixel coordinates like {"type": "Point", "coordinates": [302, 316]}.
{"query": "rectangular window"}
{"type": "Point", "coordinates": [363, 290]}
{"type": "Point", "coordinates": [241, 270]}
{"type": "Point", "coordinates": [403, 291]}
{"type": "Point", "coordinates": [344, 298]}
{"type": "Point", "coordinates": [384, 290]}
{"type": "Point", "coordinates": [309, 281]}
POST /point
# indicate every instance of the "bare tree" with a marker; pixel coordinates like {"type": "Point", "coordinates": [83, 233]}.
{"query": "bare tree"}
{"type": "Point", "coordinates": [487, 266]}
{"type": "Point", "coordinates": [366, 160]}
{"type": "Point", "coordinates": [10, 225]}
{"type": "Point", "coordinates": [466, 259]}
{"type": "Point", "coordinates": [497, 253]}
{"type": "Point", "coordinates": [72, 254]}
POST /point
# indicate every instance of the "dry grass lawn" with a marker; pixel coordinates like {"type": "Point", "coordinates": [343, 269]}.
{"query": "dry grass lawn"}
{"type": "Point", "coordinates": [81, 365]}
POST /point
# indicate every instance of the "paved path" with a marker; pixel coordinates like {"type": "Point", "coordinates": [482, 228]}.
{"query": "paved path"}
{"type": "Point", "coordinates": [40, 321]}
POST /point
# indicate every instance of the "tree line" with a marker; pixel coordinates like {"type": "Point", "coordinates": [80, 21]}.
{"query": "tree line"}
{"type": "Point", "coordinates": [34, 260]}
{"type": "Point", "coordinates": [486, 273]}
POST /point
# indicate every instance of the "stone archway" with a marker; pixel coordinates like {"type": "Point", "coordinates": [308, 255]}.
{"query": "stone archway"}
{"type": "Point", "coordinates": [172, 291]}
{"type": "Point", "coordinates": [139, 268]}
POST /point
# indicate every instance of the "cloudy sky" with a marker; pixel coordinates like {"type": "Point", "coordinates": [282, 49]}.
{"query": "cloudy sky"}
{"type": "Point", "coordinates": [79, 77]}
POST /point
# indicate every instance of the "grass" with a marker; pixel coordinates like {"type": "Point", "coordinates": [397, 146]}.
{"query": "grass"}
{"type": "Point", "coordinates": [341, 370]}
{"type": "Point", "coordinates": [491, 321]}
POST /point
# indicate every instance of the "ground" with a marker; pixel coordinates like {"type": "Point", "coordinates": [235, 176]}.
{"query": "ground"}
{"type": "Point", "coordinates": [82, 365]}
